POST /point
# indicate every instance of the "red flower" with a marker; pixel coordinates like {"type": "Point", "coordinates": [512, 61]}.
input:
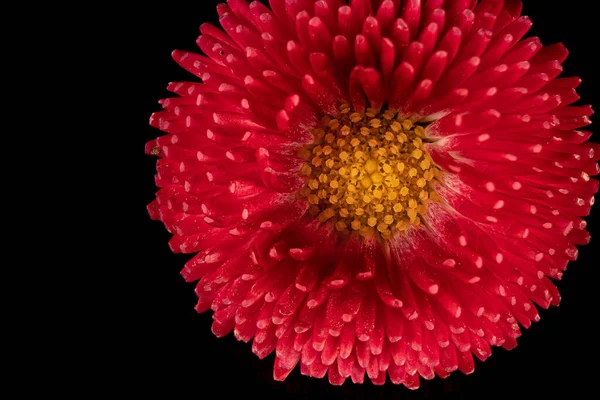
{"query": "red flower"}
{"type": "Point", "coordinates": [379, 187]}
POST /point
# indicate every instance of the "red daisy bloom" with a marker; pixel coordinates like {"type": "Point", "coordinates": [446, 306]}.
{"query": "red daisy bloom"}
{"type": "Point", "coordinates": [374, 186]}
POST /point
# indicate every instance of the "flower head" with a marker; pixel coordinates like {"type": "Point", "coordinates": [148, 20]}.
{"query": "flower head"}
{"type": "Point", "coordinates": [374, 187]}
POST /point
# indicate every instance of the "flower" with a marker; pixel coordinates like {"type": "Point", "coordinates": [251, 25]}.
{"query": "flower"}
{"type": "Point", "coordinates": [382, 191]}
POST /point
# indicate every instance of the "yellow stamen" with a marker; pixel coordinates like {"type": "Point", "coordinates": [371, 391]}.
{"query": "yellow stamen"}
{"type": "Point", "coordinates": [340, 226]}
{"type": "Point", "coordinates": [371, 166]}
{"type": "Point", "coordinates": [369, 172]}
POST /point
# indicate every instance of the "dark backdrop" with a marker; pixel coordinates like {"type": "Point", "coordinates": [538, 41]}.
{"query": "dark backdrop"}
{"type": "Point", "coordinates": [170, 348]}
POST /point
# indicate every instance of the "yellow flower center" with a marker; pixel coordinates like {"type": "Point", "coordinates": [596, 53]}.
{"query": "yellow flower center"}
{"type": "Point", "coordinates": [369, 172]}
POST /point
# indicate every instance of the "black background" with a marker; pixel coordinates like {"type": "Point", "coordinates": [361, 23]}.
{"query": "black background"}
{"type": "Point", "coordinates": [170, 348]}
